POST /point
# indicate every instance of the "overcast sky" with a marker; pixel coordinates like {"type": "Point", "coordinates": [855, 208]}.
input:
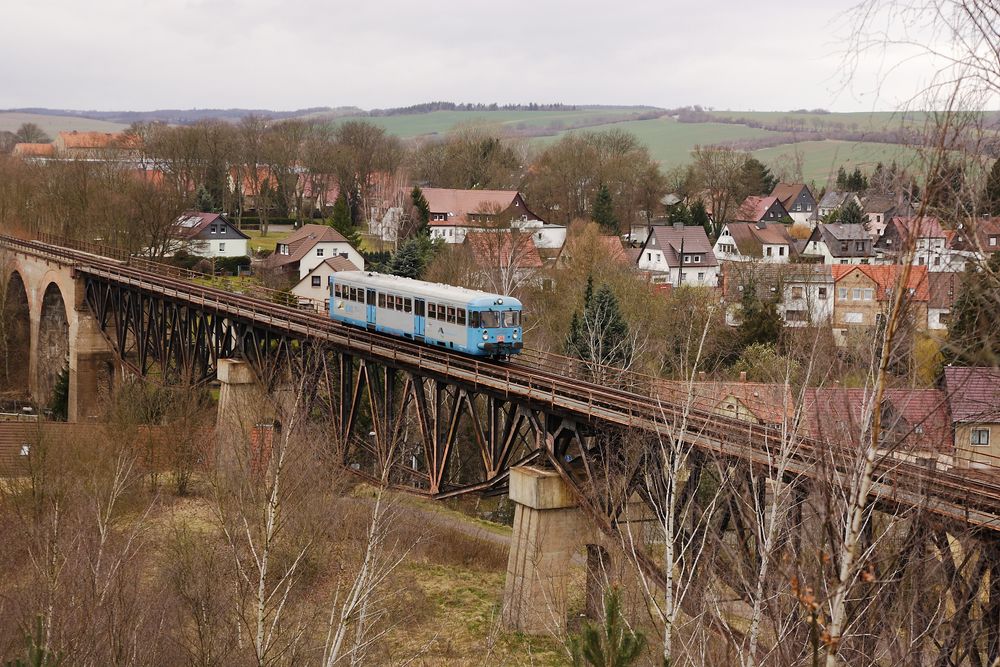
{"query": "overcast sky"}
{"type": "Point", "coordinates": [288, 54]}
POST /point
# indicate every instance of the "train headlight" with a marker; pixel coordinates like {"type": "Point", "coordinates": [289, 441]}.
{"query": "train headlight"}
{"type": "Point", "coordinates": [486, 336]}
{"type": "Point", "coordinates": [515, 334]}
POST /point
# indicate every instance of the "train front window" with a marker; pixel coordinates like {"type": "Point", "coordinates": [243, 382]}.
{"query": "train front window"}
{"type": "Point", "coordinates": [512, 318]}
{"type": "Point", "coordinates": [490, 319]}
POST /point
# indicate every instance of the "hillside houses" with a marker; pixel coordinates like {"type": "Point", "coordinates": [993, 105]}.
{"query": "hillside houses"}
{"type": "Point", "coordinates": [745, 241]}
{"type": "Point", "coordinates": [931, 243]}
{"type": "Point", "coordinates": [678, 254]}
{"type": "Point", "coordinates": [798, 201]}
{"type": "Point", "coordinates": [303, 250]}
{"type": "Point", "coordinates": [454, 213]}
{"type": "Point", "coordinates": [209, 235]}
{"type": "Point", "coordinates": [840, 244]}
{"type": "Point", "coordinates": [761, 209]}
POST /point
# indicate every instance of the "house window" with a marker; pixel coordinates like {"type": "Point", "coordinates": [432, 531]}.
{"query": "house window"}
{"type": "Point", "coordinates": [211, 229]}
{"type": "Point", "coordinates": [25, 449]}
{"type": "Point", "coordinates": [684, 276]}
{"type": "Point", "coordinates": [981, 437]}
{"type": "Point", "coordinates": [649, 257]}
{"type": "Point", "coordinates": [769, 249]}
{"type": "Point", "coordinates": [696, 259]}
{"type": "Point", "coordinates": [856, 294]}
{"type": "Point", "coordinates": [701, 276]}
{"type": "Point", "coordinates": [687, 259]}
{"type": "Point", "coordinates": [319, 252]}
{"type": "Point", "coordinates": [937, 261]}
{"type": "Point", "coordinates": [921, 261]}
{"type": "Point", "coordinates": [859, 246]}
{"type": "Point", "coordinates": [781, 251]}
{"type": "Point", "coordinates": [843, 246]}
{"type": "Point", "coordinates": [842, 293]}
{"type": "Point", "coordinates": [316, 281]}
{"type": "Point", "coordinates": [222, 247]}
{"type": "Point", "coordinates": [869, 294]}
{"type": "Point", "coordinates": [797, 293]}
{"type": "Point", "coordinates": [993, 240]}
{"type": "Point", "coordinates": [821, 292]}
{"type": "Point", "coordinates": [853, 318]}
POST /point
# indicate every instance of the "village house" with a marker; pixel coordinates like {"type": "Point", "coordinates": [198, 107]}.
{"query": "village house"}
{"type": "Point", "coordinates": [306, 248]}
{"type": "Point", "coordinates": [834, 199]}
{"type": "Point", "coordinates": [770, 405]}
{"type": "Point", "coordinates": [863, 295]}
{"type": "Point", "coordinates": [914, 422]}
{"type": "Point", "coordinates": [798, 201]}
{"type": "Point", "coordinates": [803, 293]}
{"type": "Point", "coordinates": [679, 254]}
{"type": "Point", "coordinates": [943, 287]}
{"type": "Point", "coordinates": [761, 209]}
{"type": "Point", "coordinates": [974, 399]}
{"type": "Point", "coordinates": [34, 151]}
{"type": "Point", "coordinates": [209, 235]}
{"type": "Point", "coordinates": [84, 145]}
{"type": "Point", "coordinates": [454, 213]}
{"type": "Point", "coordinates": [745, 241]}
{"type": "Point", "coordinates": [974, 242]}
{"type": "Point", "coordinates": [880, 209]}
{"type": "Point", "coordinates": [840, 244]}
{"type": "Point", "coordinates": [313, 290]}
{"type": "Point", "coordinates": [504, 259]}
{"type": "Point", "coordinates": [930, 243]}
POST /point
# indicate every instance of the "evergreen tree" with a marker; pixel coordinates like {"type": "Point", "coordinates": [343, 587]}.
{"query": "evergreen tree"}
{"type": "Point", "coordinates": [699, 216]}
{"type": "Point", "coordinates": [203, 200]}
{"type": "Point", "coordinates": [599, 334]}
{"type": "Point", "coordinates": [841, 179]}
{"type": "Point", "coordinates": [851, 214]}
{"type": "Point", "coordinates": [857, 182]}
{"type": "Point", "coordinates": [972, 331]}
{"type": "Point", "coordinates": [611, 644]}
{"type": "Point", "coordinates": [760, 321]}
{"type": "Point", "coordinates": [679, 213]}
{"type": "Point", "coordinates": [990, 201]}
{"type": "Point", "coordinates": [421, 211]}
{"type": "Point", "coordinates": [758, 177]}
{"type": "Point", "coordinates": [604, 212]}
{"type": "Point", "coordinates": [409, 260]}
{"type": "Point", "coordinates": [341, 221]}
{"type": "Point", "coordinates": [59, 405]}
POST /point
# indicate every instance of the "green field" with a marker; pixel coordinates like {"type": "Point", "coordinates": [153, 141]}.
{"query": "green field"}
{"type": "Point", "coordinates": [821, 159]}
{"type": "Point", "coordinates": [441, 122]}
{"type": "Point", "coordinates": [52, 125]}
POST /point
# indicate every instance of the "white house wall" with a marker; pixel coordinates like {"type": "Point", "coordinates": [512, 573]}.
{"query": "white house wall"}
{"type": "Point", "coordinates": [313, 258]}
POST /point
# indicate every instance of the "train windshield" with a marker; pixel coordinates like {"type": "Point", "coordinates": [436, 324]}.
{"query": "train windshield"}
{"type": "Point", "coordinates": [512, 318]}
{"type": "Point", "coordinates": [490, 319]}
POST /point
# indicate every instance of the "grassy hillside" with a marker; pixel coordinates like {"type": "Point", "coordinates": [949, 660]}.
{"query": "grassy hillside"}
{"type": "Point", "coordinates": [52, 125]}
{"type": "Point", "coordinates": [820, 159]}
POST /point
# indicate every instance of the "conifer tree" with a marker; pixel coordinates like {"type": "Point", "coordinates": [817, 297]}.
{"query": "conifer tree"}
{"type": "Point", "coordinates": [760, 321]}
{"type": "Point", "coordinates": [604, 212]}
{"type": "Point", "coordinates": [421, 211]}
{"type": "Point", "coordinates": [699, 217]}
{"type": "Point", "coordinates": [990, 202]}
{"type": "Point", "coordinates": [972, 336]}
{"type": "Point", "coordinates": [611, 644]}
{"type": "Point", "coordinates": [679, 213]}
{"type": "Point", "coordinates": [409, 260]}
{"type": "Point", "coordinates": [203, 200]}
{"type": "Point", "coordinates": [599, 334]}
{"type": "Point", "coordinates": [341, 221]}
{"type": "Point", "coordinates": [841, 179]}
{"type": "Point", "coordinates": [851, 214]}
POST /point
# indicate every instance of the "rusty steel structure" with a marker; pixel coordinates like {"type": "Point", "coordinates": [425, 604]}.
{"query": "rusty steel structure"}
{"type": "Point", "coordinates": [444, 424]}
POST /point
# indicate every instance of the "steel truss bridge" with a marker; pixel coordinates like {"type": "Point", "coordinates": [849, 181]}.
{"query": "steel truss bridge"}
{"type": "Point", "coordinates": [464, 422]}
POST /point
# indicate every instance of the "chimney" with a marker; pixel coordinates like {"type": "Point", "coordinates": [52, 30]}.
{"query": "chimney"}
{"type": "Point", "coordinates": [743, 376]}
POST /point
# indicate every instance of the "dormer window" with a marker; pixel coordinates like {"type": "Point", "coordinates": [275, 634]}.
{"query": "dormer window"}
{"type": "Point", "coordinates": [319, 252]}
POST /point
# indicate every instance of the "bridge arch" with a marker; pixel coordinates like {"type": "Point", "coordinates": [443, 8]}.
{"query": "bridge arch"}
{"type": "Point", "coordinates": [15, 336]}
{"type": "Point", "coordinates": [53, 343]}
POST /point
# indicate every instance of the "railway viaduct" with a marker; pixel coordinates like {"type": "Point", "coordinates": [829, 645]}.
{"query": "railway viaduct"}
{"type": "Point", "coordinates": [533, 429]}
{"type": "Point", "coordinates": [50, 330]}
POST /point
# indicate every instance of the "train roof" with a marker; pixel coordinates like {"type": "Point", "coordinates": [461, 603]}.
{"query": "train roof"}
{"type": "Point", "coordinates": [425, 289]}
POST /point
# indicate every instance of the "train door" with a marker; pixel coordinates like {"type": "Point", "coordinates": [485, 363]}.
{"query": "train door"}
{"type": "Point", "coordinates": [370, 300]}
{"type": "Point", "coordinates": [418, 319]}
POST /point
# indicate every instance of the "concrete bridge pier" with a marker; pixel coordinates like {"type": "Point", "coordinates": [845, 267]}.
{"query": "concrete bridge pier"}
{"type": "Point", "coordinates": [238, 398]}
{"type": "Point", "coordinates": [548, 531]}
{"type": "Point", "coordinates": [92, 368]}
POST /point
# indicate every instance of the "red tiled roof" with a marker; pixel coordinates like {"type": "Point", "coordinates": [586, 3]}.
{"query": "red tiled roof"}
{"type": "Point", "coordinates": [974, 393]}
{"type": "Point", "coordinates": [943, 288]}
{"type": "Point", "coordinates": [754, 208]}
{"type": "Point", "coordinates": [912, 419]}
{"type": "Point", "coordinates": [503, 247]}
{"type": "Point", "coordinates": [926, 227]}
{"type": "Point", "coordinates": [458, 204]}
{"type": "Point", "coordinates": [750, 238]}
{"type": "Point", "coordinates": [91, 140]}
{"type": "Point", "coordinates": [886, 277]}
{"type": "Point", "coordinates": [339, 263]}
{"type": "Point", "coordinates": [301, 241]}
{"type": "Point", "coordinates": [35, 150]}
{"type": "Point", "coordinates": [787, 193]}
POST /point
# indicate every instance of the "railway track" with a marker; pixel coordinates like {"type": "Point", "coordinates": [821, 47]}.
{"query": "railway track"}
{"type": "Point", "coordinates": [557, 384]}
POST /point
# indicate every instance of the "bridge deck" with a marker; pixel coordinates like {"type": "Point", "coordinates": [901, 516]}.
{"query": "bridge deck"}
{"type": "Point", "coordinates": [546, 381]}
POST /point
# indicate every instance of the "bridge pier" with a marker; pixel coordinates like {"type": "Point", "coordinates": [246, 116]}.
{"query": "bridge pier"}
{"type": "Point", "coordinates": [238, 394]}
{"type": "Point", "coordinates": [548, 531]}
{"type": "Point", "coordinates": [91, 370]}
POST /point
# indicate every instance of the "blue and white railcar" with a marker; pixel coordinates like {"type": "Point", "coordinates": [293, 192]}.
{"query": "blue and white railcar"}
{"type": "Point", "coordinates": [446, 316]}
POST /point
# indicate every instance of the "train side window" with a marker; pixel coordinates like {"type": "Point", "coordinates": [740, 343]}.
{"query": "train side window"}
{"type": "Point", "coordinates": [355, 294]}
{"type": "Point", "coordinates": [407, 305]}
{"type": "Point", "coordinates": [474, 319]}
{"type": "Point", "coordinates": [336, 290]}
{"type": "Point", "coordinates": [432, 311]}
{"type": "Point", "coordinates": [460, 313]}
{"type": "Point", "coordinates": [381, 299]}
{"type": "Point", "coordinates": [399, 303]}
{"type": "Point", "coordinates": [350, 294]}
{"type": "Point", "coordinates": [451, 315]}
